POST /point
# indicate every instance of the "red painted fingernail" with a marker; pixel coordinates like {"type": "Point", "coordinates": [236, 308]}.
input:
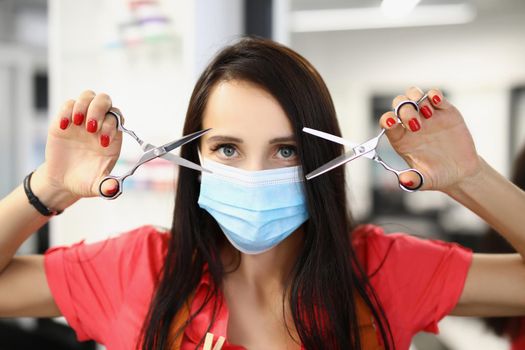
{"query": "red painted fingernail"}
{"type": "Point", "coordinates": [64, 122]}
{"type": "Point", "coordinates": [78, 118]}
{"type": "Point", "coordinates": [92, 125]}
{"type": "Point", "coordinates": [111, 191]}
{"type": "Point", "coordinates": [104, 140]}
{"type": "Point", "coordinates": [390, 122]}
{"type": "Point", "coordinates": [436, 99]}
{"type": "Point", "coordinates": [414, 124]}
{"type": "Point", "coordinates": [408, 183]}
{"type": "Point", "coordinates": [427, 113]}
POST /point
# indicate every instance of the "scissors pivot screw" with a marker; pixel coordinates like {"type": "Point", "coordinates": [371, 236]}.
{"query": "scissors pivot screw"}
{"type": "Point", "coordinates": [157, 152]}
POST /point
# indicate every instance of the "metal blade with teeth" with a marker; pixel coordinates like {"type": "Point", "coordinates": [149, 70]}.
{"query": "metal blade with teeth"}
{"type": "Point", "coordinates": [334, 163]}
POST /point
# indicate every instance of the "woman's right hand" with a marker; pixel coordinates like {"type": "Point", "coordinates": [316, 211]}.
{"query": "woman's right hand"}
{"type": "Point", "coordinates": [83, 145]}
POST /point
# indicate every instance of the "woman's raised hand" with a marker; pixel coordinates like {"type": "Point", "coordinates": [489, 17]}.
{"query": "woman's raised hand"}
{"type": "Point", "coordinates": [434, 141]}
{"type": "Point", "coordinates": [83, 145]}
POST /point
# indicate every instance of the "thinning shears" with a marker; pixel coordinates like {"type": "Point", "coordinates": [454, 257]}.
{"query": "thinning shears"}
{"type": "Point", "coordinates": [150, 152]}
{"type": "Point", "coordinates": [367, 149]}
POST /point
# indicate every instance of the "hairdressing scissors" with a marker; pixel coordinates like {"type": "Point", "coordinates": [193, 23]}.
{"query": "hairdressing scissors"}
{"type": "Point", "coordinates": [367, 149]}
{"type": "Point", "coordinates": [150, 152]}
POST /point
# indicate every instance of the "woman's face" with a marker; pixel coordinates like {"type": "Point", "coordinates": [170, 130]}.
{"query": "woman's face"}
{"type": "Point", "coordinates": [250, 130]}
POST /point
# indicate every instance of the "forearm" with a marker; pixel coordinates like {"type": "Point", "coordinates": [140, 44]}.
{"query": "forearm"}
{"type": "Point", "coordinates": [20, 219]}
{"type": "Point", "coordinates": [497, 201]}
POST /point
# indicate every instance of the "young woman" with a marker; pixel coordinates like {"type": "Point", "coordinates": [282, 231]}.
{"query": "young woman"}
{"type": "Point", "coordinates": [255, 254]}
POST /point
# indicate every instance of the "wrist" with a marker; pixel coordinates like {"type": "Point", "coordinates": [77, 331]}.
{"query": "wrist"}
{"type": "Point", "coordinates": [473, 182]}
{"type": "Point", "coordinates": [51, 196]}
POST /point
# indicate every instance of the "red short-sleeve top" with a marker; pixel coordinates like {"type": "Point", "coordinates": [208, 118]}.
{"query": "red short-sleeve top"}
{"type": "Point", "coordinates": [104, 289]}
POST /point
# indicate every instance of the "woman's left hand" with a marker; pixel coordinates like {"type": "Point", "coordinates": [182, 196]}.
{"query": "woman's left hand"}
{"type": "Point", "coordinates": [434, 141]}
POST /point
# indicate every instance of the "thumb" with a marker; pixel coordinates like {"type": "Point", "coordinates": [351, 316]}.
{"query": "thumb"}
{"type": "Point", "coordinates": [107, 187]}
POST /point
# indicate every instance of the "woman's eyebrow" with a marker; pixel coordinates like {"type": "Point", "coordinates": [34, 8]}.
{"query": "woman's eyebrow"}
{"type": "Point", "coordinates": [282, 139]}
{"type": "Point", "coordinates": [221, 138]}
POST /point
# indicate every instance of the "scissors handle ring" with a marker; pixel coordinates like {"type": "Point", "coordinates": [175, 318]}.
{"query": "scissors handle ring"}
{"type": "Point", "coordinates": [407, 188]}
{"type": "Point", "coordinates": [398, 173]}
{"type": "Point", "coordinates": [415, 104]}
{"type": "Point", "coordinates": [406, 102]}
{"type": "Point", "coordinates": [114, 194]}
{"type": "Point", "coordinates": [120, 125]}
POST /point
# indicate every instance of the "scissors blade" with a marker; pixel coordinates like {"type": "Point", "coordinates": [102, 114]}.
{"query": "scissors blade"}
{"type": "Point", "coordinates": [337, 139]}
{"type": "Point", "coordinates": [170, 146]}
{"type": "Point", "coordinates": [175, 159]}
{"type": "Point", "coordinates": [334, 163]}
{"type": "Point", "coordinates": [329, 137]}
{"type": "Point", "coordinates": [367, 149]}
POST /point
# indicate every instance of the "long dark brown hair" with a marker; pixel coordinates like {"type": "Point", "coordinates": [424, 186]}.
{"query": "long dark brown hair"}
{"type": "Point", "coordinates": [326, 275]}
{"type": "Point", "coordinates": [493, 242]}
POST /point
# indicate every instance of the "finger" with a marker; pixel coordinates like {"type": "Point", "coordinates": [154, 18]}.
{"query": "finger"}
{"type": "Point", "coordinates": [108, 130]}
{"type": "Point", "coordinates": [407, 113]}
{"type": "Point", "coordinates": [437, 99]}
{"type": "Point", "coordinates": [109, 187]}
{"type": "Point", "coordinates": [425, 107]}
{"type": "Point", "coordinates": [394, 129]}
{"type": "Point", "coordinates": [81, 106]}
{"type": "Point", "coordinates": [63, 120]}
{"type": "Point", "coordinates": [410, 179]}
{"type": "Point", "coordinates": [97, 111]}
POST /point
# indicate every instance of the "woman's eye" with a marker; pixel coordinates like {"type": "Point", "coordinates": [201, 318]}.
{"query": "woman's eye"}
{"type": "Point", "coordinates": [287, 152]}
{"type": "Point", "coordinates": [227, 150]}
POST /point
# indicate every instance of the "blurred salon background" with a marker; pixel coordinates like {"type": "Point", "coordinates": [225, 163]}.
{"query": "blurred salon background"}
{"type": "Point", "coordinates": [147, 54]}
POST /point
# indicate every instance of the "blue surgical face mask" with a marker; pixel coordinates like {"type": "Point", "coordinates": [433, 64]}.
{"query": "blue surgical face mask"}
{"type": "Point", "coordinates": [256, 210]}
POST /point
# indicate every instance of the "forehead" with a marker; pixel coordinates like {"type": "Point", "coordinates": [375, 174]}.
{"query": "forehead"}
{"type": "Point", "coordinates": [242, 108]}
